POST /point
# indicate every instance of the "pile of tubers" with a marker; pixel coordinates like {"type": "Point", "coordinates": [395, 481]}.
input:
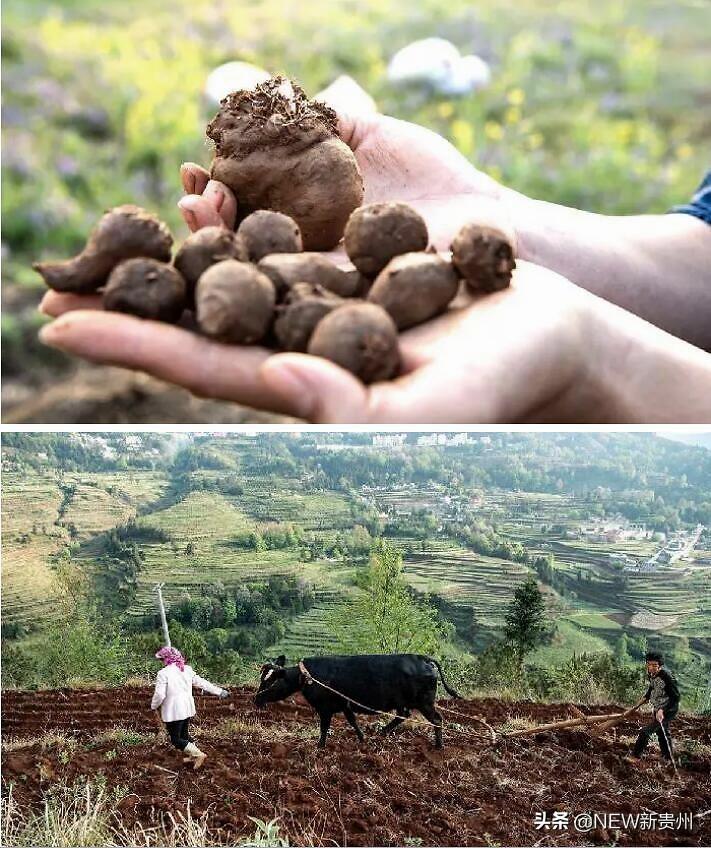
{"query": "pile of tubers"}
{"type": "Point", "coordinates": [264, 284]}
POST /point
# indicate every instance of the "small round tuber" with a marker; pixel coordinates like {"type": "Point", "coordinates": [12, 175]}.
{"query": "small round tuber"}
{"type": "Point", "coordinates": [205, 248]}
{"type": "Point", "coordinates": [146, 288]}
{"type": "Point", "coordinates": [276, 149]}
{"type": "Point", "coordinates": [304, 306]}
{"type": "Point", "coordinates": [285, 269]}
{"type": "Point", "coordinates": [415, 287]}
{"type": "Point", "coordinates": [484, 256]}
{"type": "Point", "coordinates": [380, 231]}
{"type": "Point", "coordinates": [360, 337]}
{"type": "Point", "coordinates": [235, 302]}
{"type": "Point", "coordinates": [264, 232]}
{"type": "Point", "coordinates": [122, 233]}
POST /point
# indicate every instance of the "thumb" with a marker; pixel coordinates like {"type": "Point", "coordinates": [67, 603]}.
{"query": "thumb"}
{"type": "Point", "coordinates": [315, 389]}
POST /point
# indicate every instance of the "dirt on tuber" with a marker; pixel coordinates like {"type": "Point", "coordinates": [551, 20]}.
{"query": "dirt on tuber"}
{"type": "Point", "coordinates": [146, 288]}
{"type": "Point", "coordinates": [203, 249]}
{"type": "Point", "coordinates": [235, 302]}
{"type": "Point", "coordinates": [415, 287]}
{"type": "Point", "coordinates": [304, 306]}
{"type": "Point", "coordinates": [285, 269]}
{"type": "Point", "coordinates": [484, 256]}
{"type": "Point", "coordinates": [278, 150]}
{"type": "Point", "coordinates": [377, 233]}
{"type": "Point", "coordinates": [265, 232]}
{"type": "Point", "coordinates": [125, 232]}
{"type": "Point", "coordinates": [360, 337]}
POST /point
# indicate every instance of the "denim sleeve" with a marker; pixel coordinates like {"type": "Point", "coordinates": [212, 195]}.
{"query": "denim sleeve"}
{"type": "Point", "coordinates": [700, 204]}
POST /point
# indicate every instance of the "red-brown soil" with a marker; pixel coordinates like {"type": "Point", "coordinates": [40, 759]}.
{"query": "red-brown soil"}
{"type": "Point", "coordinates": [383, 792]}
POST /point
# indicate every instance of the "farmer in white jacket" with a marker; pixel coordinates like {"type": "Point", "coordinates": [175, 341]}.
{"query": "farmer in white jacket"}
{"type": "Point", "coordinates": [174, 696]}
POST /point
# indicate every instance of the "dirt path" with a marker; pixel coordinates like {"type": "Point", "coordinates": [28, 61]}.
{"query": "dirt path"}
{"type": "Point", "coordinates": [264, 763]}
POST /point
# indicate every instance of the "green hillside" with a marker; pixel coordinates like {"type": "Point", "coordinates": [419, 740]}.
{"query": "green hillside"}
{"type": "Point", "coordinates": [273, 518]}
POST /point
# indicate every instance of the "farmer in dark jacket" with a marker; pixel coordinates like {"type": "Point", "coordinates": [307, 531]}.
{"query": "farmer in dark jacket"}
{"type": "Point", "coordinates": [663, 694]}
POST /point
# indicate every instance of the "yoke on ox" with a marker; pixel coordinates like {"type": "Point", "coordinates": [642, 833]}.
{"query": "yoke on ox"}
{"type": "Point", "coordinates": [364, 684]}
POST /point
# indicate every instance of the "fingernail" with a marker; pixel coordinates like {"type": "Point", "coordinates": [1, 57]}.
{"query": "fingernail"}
{"type": "Point", "coordinates": [47, 335]}
{"type": "Point", "coordinates": [288, 384]}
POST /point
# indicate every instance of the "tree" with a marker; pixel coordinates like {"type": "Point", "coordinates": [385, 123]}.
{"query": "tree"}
{"type": "Point", "coordinates": [526, 619]}
{"type": "Point", "coordinates": [386, 617]}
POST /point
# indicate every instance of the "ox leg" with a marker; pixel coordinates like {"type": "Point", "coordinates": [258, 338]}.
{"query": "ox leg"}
{"type": "Point", "coordinates": [350, 716]}
{"type": "Point", "coordinates": [325, 725]}
{"type": "Point", "coordinates": [402, 714]}
{"type": "Point", "coordinates": [431, 714]}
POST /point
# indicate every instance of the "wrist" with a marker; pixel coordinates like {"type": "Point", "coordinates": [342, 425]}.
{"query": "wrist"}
{"type": "Point", "coordinates": [639, 373]}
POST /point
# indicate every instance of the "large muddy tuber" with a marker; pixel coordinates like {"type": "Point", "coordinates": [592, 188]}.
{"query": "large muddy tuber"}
{"type": "Point", "coordinates": [278, 150]}
{"type": "Point", "coordinates": [125, 232]}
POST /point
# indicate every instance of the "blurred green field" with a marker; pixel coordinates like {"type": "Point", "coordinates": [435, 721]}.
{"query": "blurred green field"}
{"type": "Point", "coordinates": [602, 106]}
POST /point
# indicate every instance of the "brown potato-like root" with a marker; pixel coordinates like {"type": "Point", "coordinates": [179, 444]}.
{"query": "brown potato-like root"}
{"type": "Point", "coordinates": [264, 232]}
{"type": "Point", "coordinates": [377, 233]}
{"type": "Point", "coordinates": [122, 233]}
{"type": "Point", "coordinates": [205, 248]}
{"type": "Point", "coordinates": [285, 269]}
{"type": "Point", "coordinates": [276, 149]}
{"type": "Point", "coordinates": [360, 337]}
{"type": "Point", "coordinates": [484, 256]}
{"type": "Point", "coordinates": [146, 288]}
{"type": "Point", "coordinates": [235, 302]}
{"type": "Point", "coordinates": [415, 287]}
{"type": "Point", "coordinates": [304, 306]}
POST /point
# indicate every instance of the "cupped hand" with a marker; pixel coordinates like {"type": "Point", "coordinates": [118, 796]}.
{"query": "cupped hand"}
{"type": "Point", "coordinates": [513, 356]}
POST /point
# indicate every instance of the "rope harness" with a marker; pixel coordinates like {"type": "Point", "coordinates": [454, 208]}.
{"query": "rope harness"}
{"type": "Point", "coordinates": [310, 679]}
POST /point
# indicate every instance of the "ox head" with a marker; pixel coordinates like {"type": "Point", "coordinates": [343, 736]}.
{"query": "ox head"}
{"type": "Point", "coordinates": [277, 682]}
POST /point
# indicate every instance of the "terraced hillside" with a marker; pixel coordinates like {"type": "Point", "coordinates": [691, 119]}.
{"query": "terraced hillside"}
{"type": "Point", "coordinates": [472, 584]}
{"type": "Point", "coordinates": [235, 486]}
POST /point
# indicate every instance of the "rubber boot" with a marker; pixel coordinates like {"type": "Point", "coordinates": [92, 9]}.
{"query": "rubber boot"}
{"type": "Point", "coordinates": [195, 755]}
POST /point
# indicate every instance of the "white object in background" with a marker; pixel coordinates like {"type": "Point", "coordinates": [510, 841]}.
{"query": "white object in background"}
{"type": "Point", "coordinates": [344, 94]}
{"type": "Point", "coordinates": [233, 76]}
{"type": "Point", "coordinates": [436, 63]}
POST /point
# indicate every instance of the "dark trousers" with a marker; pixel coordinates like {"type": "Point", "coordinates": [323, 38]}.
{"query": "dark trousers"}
{"type": "Point", "coordinates": [648, 731]}
{"type": "Point", "coordinates": [179, 733]}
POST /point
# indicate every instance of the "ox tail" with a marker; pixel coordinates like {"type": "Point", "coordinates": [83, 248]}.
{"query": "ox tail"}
{"type": "Point", "coordinates": [452, 692]}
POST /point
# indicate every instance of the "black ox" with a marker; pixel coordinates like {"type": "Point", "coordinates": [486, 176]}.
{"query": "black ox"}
{"type": "Point", "coordinates": [368, 683]}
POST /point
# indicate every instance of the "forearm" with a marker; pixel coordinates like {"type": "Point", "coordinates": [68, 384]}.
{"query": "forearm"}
{"type": "Point", "coordinates": [636, 372]}
{"type": "Point", "coordinates": [657, 266]}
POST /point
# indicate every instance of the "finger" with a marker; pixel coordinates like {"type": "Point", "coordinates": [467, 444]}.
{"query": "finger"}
{"type": "Point", "coordinates": [224, 201]}
{"type": "Point", "coordinates": [199, 212]}
{"type": "Point", "coordinates": [206, 368]}
{"type": "Point", "coordinates": [55, 303]}
{"type": "Point", "coordinates": [194, 178]}
{"type": "Point", "coordinates": [216, 207]}
{"type": "Point", "coordinates": [353, 129]}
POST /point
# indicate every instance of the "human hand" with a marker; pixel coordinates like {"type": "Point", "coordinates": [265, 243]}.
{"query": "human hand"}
{"type": "Point", "coordinates": [660, 715]}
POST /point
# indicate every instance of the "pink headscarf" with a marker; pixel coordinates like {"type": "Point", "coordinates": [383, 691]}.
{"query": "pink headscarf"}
{"type": "Point", "coordinates": [171, 656]}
